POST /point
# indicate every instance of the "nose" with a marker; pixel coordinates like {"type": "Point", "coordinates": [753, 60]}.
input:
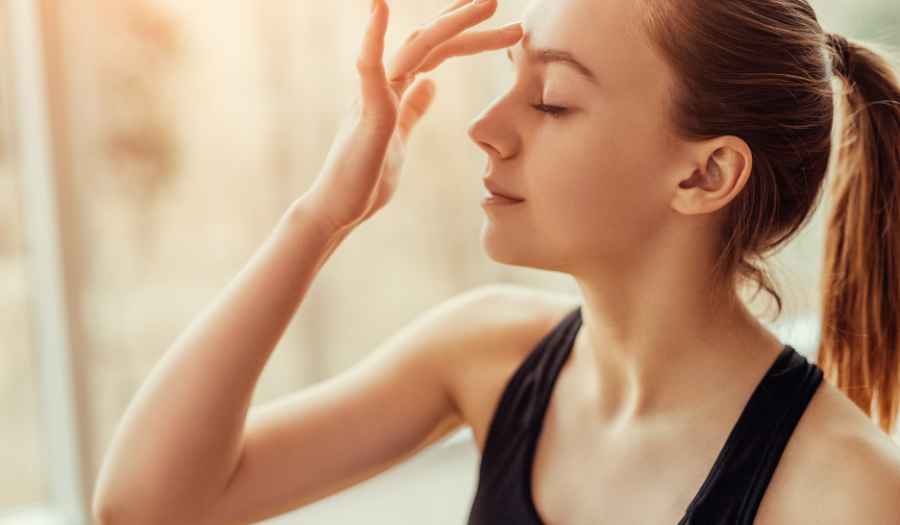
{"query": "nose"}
{"type": "Point", "coordinates": [492, 130]}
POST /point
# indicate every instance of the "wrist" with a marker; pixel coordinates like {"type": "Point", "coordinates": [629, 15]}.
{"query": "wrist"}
{"type": "Point", "coordinates": [304, 211]}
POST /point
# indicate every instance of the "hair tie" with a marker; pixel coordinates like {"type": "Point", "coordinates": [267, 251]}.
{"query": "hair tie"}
{"type": "Point", "coordinates": [842, 49]}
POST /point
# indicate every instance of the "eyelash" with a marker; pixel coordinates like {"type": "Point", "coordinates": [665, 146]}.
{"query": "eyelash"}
{"type": "Point", "coordinates": [553, 111]}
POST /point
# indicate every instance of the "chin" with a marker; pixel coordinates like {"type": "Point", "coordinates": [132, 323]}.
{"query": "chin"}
{"type": "Point", "coordinates": [515, 248]}
{"type": "Point", "coordinates": [515, 245]}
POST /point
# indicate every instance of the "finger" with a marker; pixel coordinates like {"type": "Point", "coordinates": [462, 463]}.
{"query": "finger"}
{"type": "Point", "coordinates": [470, 43]}
{"type": "Point", "coordinates": [414, 105]}
{"type": "Point", "coordinates": [452, 7]}
{"type": "Point", "coordinates": [373, 86]}
{"type": "Point", "coordinates": [415, 49]}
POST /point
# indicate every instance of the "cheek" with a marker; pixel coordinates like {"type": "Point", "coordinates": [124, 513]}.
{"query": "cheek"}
{"type": "Point", "coordinates": [602, 186]}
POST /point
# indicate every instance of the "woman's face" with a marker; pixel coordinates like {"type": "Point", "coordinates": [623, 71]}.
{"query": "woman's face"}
{"type": "Point", "coordinates": [596, 181]}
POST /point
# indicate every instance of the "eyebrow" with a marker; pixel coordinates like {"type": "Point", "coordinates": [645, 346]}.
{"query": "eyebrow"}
{"type": "Point", "coordinates": [550, 55]}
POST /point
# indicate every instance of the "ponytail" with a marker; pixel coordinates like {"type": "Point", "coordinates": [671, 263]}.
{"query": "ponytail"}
{"type": "Point", "coordinates": [860, 344]}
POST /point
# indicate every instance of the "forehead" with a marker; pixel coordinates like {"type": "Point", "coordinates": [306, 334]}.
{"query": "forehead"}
{"type": "Point", "coordinates": [577, 23]}
{"type": "Point", "coordinates": [603, 35]}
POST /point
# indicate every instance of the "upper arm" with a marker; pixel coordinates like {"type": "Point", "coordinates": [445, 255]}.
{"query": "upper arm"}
{"type": "Point", "coordinates": [886, 509]}
{"type": "Point", "coordinates": [864, 488]}
{"type": "Point", "coordinates": [839, 467]}
{"type": "Point", "coordinates": [399, 399]}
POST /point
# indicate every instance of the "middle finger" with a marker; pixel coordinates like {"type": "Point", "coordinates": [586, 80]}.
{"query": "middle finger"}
{"type": "Point", "coordinates": [414, 50]}
{"type": "Point", "coordinates": [452, 7]}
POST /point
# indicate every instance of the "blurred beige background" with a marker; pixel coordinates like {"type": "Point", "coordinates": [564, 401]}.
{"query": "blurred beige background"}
{"type": "Point", "coordinates": [182, 132]}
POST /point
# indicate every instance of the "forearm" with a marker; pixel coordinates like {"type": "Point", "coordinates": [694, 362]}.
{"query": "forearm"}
{"type": "Point", "coordinates": [180, 439]}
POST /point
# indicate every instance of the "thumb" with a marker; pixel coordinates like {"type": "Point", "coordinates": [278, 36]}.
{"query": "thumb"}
{"type": "Point", "coordinates": [414, 105]}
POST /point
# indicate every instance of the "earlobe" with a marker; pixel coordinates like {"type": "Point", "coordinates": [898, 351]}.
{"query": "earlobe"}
{"type": "Point", "coordinates": [720, 170]}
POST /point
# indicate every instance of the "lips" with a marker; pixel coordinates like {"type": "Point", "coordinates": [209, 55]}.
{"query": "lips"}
{"type": "Point", "coordinates": [491, 199]}
{"type": "Point", "coordinates": [497, 194]}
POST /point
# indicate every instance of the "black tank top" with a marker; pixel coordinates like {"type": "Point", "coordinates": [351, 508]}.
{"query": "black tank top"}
{"type": "Point", "coordinates": [734, 487]}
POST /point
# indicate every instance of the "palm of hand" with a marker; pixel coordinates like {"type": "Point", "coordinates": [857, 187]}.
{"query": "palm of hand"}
{"type": "Point", "coordinates": [362, 170]}
{"type": "Point", "coordinates": [389, 178]}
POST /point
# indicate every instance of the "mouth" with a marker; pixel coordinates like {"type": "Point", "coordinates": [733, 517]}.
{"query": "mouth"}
{"type": "Point", "coordinates": [496, 195]}
{"type": "Point", "coordinates": [497, 199]}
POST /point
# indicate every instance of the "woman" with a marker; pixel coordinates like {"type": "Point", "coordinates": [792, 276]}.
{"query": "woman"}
{"type": "Point", "coordinates": [654, 150]}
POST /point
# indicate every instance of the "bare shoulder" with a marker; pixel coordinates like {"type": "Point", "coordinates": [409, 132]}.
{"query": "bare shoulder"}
{"type": "Point", "coordinates": [483, 335]}
{"type": "Point", "coordinates": [489, 316]}
{"type": "Point", "coordinates": [838, 467]}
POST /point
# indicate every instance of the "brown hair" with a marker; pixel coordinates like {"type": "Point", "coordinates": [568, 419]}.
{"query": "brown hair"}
{"type": "Point", "coordinates": [764, 71]}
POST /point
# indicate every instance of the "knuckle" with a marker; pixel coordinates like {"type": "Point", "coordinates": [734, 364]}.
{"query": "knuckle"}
{"type": "Point", "coordinates": [361, 65]}
{"type": "Point", "coordinates": [429, 41]}
{"type": "Point", "coordinates": [413, 35]}
{"type": "Point", "coordinates": [403, 79]}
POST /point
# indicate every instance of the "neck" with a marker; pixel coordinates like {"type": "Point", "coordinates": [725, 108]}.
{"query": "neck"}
{"type": "Point", "coordinates": [659, 337]}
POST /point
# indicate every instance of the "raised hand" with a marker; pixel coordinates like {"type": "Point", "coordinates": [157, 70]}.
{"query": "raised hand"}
{"type": "Point", "coordinates": [362, 168]}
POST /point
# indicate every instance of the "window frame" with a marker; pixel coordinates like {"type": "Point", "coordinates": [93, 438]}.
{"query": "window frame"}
{"type": "Point", "coordinates": [33, 157]}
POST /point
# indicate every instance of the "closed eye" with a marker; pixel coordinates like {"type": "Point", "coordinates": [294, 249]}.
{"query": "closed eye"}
{"type": "Point", "coordinates": [553, 111]}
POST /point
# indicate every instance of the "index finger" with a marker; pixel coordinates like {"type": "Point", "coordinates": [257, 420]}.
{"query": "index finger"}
{"type": "Point", "coordinates": [470, 43]}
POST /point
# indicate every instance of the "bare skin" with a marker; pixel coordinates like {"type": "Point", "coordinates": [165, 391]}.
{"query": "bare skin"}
{"type": "Point", "coordinates": [659, 372]}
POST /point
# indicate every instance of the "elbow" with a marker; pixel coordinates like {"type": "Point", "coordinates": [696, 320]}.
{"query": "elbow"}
{"type": "Point", "coordinates": [109, 509]}
{"type": "Point", "coordinates": [133, 499]}
{"type": "Point", "coordinates": [104, 516]}
{"type": "Point", "coordinates": [108, 512]}
{"type": "Point", "coordinates": [102, 507]}
{"type": "Point", "coordinates": [113, 500]}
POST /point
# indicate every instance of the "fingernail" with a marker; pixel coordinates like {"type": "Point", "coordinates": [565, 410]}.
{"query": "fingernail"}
{"type": "Point", "coordinates": [511, 27]}
{"type": "Point", "coordinates": [372, 7]}
{"type": "Point", "coordinates": [476, 2]}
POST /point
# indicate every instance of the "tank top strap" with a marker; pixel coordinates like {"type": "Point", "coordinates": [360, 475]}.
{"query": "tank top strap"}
{"type": "Point", "coordinates": [527, 394]}
{"type": "Point", "coordinates": [504, 487]}
{"type": "Point", "coordinates": [738, 480]}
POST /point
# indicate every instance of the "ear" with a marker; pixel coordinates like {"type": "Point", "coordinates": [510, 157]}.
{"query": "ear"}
{"type": "Point", "coordinates": [719, 169]}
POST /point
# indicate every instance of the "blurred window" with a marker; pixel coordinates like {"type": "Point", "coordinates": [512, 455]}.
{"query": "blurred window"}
{"type": "Point", "coordinates": [40, 480]}
{"type": "Point", "coordinates": [20, 451]}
